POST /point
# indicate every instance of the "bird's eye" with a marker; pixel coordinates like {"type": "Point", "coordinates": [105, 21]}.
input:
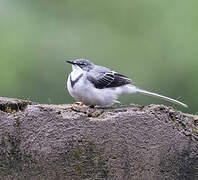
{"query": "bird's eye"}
{"type": "Point", "coordinates": [82, 64]}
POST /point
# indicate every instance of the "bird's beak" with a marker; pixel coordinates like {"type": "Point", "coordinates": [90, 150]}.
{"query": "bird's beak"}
{"type": "Point", "coordinates": [71, 62]}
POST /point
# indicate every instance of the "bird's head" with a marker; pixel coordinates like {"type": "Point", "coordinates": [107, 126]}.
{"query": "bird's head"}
{"type": "Point", "coordinates": [84, 64]}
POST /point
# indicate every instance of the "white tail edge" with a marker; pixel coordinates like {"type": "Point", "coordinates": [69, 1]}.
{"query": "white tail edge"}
{"type": "Point", "coordinates": [141, 91]}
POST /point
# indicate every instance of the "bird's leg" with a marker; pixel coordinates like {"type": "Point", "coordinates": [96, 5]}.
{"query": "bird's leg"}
{"type": "Point", "coordinates": [79, 103]}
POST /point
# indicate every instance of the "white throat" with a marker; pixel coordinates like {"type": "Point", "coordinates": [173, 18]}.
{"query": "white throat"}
{"type": "Point", "coordinates": [76, 72]}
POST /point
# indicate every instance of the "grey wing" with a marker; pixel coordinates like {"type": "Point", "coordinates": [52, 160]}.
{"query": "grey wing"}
{"type": "Point", "coordinates": [108, 79]}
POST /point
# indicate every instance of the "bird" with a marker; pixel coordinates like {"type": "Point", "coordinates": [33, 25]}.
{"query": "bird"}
{"type": "Point", "coordinates": [95, 85]}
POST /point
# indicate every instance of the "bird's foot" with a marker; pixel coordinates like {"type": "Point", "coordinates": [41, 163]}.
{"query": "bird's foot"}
{"type": "Point", "coordinates": [79, 103]}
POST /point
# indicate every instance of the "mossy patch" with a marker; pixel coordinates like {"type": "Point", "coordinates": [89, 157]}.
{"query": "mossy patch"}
{"type": "Point", "coordinates": [196, 130]}
{"type": "Point", "coordinates": [12, 108]}
{"type": "Point", "coordinates": [85, 160]}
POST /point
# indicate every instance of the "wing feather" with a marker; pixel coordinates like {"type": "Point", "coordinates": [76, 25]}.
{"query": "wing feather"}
{"type": "Point", "coordinates": [109, 80]}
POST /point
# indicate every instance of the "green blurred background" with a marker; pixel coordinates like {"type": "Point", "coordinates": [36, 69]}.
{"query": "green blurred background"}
{"type": "Point", "coordinates": [153, 42]}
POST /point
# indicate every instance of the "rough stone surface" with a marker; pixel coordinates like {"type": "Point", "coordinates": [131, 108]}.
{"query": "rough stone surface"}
{"type": "Point", "coordinates": [50, 142]}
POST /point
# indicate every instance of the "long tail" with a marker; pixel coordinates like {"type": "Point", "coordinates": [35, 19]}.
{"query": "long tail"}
{"type": "Point", "coordinates": [141, 91]}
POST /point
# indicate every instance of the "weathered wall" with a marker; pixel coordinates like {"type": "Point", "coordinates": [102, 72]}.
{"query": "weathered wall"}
{"type": "Point", "coordinates": [60, 142]}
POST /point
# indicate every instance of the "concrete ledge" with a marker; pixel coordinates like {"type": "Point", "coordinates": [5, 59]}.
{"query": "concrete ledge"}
{"type": "Point", "coordinates": [74, 143]}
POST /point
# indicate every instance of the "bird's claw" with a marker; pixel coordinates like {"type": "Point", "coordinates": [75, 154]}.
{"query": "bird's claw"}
{"type": "Point", "coordinates": [79, 103]}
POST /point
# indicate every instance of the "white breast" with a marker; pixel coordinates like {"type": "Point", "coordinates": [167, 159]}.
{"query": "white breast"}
{"type": "Point", "coordinates": [74, 75]}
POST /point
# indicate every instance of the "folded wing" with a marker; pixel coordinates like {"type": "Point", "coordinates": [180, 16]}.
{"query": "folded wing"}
{"type": "Point", "coordinates": [109, 79]}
